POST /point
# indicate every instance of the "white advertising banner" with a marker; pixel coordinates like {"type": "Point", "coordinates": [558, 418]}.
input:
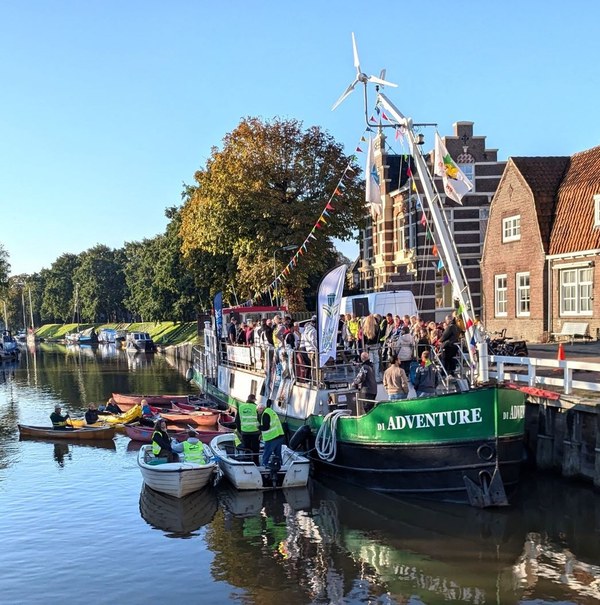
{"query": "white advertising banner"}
{"type": "Point", "coordinates": [328, 312]}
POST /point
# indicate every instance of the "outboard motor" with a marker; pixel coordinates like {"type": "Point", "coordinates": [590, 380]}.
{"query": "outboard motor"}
{"type": "Point", "coordinates": [274, 465]}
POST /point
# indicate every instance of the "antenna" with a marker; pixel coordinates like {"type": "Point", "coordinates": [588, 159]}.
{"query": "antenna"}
{"type": "Point", "coordinates": [361, 77]}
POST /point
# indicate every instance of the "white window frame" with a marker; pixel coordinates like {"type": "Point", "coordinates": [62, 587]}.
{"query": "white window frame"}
{"type": "Point", "coordinates": [511, 228]}
{"type": "Point", "coordinates": [597, 210]}
{"type": "Point", "coordinates": [523, 294]}
{"type": "Point", "coordinates": [500, 296]}
{"type": "Point", "coordinates": [576, 290]}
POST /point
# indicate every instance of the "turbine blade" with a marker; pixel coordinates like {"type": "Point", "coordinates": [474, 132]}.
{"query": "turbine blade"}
{"type": "Point", "coordinates": [356, 61]}
{"type": "Point", "coordinates": [382, 82]}
{"type": "Point", "coordinates": [347, 92]}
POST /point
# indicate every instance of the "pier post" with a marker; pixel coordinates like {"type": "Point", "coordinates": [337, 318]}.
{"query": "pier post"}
{"type": "Point", "coordinates": [571, 466]}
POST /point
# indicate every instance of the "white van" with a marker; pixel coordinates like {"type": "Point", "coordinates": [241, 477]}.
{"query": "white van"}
{"type": "Point", "coordinates": [396, 302]}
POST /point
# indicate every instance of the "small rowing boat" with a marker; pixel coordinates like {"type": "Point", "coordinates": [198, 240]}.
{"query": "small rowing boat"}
{"type": "Point", "coordinates": [75, 434]}
{"type": "Point", "coordinates": [241, 470]}
{"type": "Point", "coordinates": [157, 400]}
{"type": "Point", "coordinates": [204, 418]}
{"type": "Point", "coordinates": [176, 479]}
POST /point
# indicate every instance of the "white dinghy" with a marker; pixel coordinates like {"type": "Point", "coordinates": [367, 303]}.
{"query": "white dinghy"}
{"type": "Point", "coordinates": [241, 470]}
{"type": "Point", "coordinates": [176, 479]}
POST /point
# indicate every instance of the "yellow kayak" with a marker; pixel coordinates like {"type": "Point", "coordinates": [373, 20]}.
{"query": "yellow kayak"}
{"type": "Point", "coordinates": [133, 414]}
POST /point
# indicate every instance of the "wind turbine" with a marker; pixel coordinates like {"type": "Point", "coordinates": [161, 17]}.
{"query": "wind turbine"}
{"type": "Point", "coordinates": [361, 77]}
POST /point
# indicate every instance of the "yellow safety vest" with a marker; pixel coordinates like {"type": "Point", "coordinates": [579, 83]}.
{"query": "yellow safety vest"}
{"type": "Point", "coordinates": [275, 428]}
{"type": "Point", "coordinates": [155, 447]}
{"type": "Point", "coordinates": [194, 452]}
{"type": "Point", "coordinates": [248, 419]}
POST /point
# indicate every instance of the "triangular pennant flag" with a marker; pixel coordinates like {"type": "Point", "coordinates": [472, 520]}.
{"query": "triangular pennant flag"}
{"type": "Point", "coordinates": [446, 279]}
{"type": "Point", "coordinates": [434, 250]}
{"type": "Point", "coordinates": [423, 219]}
{"type": "Point", "coordinates": [414, 186]}
{"type": "Point", "coordinates": [363, 140]}
{"type": "Point", "coordinates": [460, 309]}
{"type": "Point", "coordinates": [473, 343]}
{"type": "Point", "coordinates": [323, 220]}
{"type": "Point", "coordinates": [369, 129]}
{"type": "Point", "coordinates": [329, 207]}
{"type": "Point", "coordinates": [337, 192]}
{"type": "Point", "coordinates": [372, 119]}
{"type": "Point", "coordinates": [440, 265]}
{"type": "Point", "coordinates": [428, 235]}
{"type": "Point", "coordinates": [469, 323]}
{"type": "Point", "coordinates": [408, 171]}
{"type": "Point", "coordinates": [318, 224]}
{"type": "Point", "coordinates": [325, 213]}
{"type": "Point", "coordinates": [384, 116]}
{"type": "Point", "coordinates": [358, 149]}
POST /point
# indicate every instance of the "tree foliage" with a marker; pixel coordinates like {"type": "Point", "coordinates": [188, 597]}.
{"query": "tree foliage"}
{"type": "Point", "coordinates": [57, 300]}
{"type": "Point", "coordinates": [265, 190]}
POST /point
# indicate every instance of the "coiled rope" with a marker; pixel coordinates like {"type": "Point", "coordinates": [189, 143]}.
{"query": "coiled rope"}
{"type": "Point", "coordinates": [326, 441]}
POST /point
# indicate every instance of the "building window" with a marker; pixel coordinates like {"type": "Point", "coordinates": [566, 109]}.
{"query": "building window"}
{"type": "Point", "coordinates": [469, 171]}
{"type": "Point", "coordinates": [523, 294]}
{"type": "Point", "coordinates": [576, 287]}
{"type": "Point", "coordinates": [597, 210]}
{"type": "Point", "coordinates": [511, 229]}
{"type": "Point", "coordinates": [501, 296]}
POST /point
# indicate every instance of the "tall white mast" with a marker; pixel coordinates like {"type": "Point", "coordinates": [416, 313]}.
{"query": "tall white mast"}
{"type": "Point", "coordinates": [449, 252]}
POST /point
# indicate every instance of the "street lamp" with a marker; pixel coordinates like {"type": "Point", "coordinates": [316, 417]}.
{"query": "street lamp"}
{"type": "Point", "coordinates": [282, 249]}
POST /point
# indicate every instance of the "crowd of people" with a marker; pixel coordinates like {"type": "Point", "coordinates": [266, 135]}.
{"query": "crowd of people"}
{"type": "Point", "coordinates": [391, 343]}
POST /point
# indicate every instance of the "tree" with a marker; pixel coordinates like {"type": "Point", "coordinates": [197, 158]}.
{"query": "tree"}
{"type": "Point", "coordinates": [4, 268]}
{"type": "Point", "coordinates": [159, 284]}
{"type": "Point", "coordinates": [267, 189]}
{"type": "Point", "coordinates": [57, 299]}
{"type": "Point", "coordinates": [101, 284]}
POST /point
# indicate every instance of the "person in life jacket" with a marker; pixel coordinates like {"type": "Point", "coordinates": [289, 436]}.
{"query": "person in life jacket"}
{"type": "Point", "coordinates": [60, 422]}
{"type": "Point", "coordinates": [192, 448]}
{"type": "Point", "coordinates": [272, 433]}
{"type": "Point", "coordinates": [161, 442]}
{"type": "Point", "coordinates": [246, 423]}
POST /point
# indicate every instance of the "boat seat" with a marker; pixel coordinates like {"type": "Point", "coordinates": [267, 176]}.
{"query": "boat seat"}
{"type": "Point", "coordinates": [156, 461]}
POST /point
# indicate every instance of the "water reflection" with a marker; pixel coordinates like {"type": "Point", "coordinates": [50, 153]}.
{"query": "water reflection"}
{"type": "Point", "coordinates": [178, 517]}
{"type": "Point", "coordinates": [63, 448]}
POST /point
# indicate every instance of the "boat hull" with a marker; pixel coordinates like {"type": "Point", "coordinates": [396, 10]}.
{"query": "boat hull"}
{"type": "Point", "coordinates": [76, 434]}
{"type": "Point", "coordinates": [244, 474]}
{"type": "Point", "coordinates": [144, 433]}
{"type": "Point", "coordinates": [177, 479]}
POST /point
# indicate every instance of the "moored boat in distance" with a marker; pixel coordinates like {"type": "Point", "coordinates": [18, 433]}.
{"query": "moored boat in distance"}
{"type": "Point", "coordinates": [245, 474]}
{"type": "Point", "coordinates": [139, 342]}
{"type": "Point", "coordinates": [9, 348]}
{"type": "Point", "coordinates": [176, 479]}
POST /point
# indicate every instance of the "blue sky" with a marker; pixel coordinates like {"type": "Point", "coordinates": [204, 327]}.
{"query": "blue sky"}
{"type": "Point", "coordinates": [108, 107]}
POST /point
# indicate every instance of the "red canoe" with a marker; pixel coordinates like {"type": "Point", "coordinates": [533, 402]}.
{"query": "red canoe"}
{"type": "Point", "coordinates": [143, 433]}
{"type": "Point", "coordinates": [162, 401]}
{"type": "Point", "coordinates": [193, 418]}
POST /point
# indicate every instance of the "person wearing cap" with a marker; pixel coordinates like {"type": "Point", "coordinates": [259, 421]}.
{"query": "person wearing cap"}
{"type": "Point", "coordinates": [60, 422]}
{"type": "Point", "coordinates": [192, 448]}
{"type": "Point", "coordinates": [366, 383]}
{"type": "Point", "coordinates": [246, 423]}
{"type": "Point", "coordinates": [272, 433]}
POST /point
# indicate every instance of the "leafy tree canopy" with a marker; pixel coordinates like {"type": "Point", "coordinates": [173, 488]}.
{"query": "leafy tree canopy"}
{"type": "Point", "coordinates": [265, 190]}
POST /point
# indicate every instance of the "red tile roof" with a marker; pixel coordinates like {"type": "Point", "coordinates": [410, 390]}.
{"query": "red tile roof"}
{"type": "Point", "coordinates": [573, 229]}
{"type": "Point", "coordinates": [543, 175]}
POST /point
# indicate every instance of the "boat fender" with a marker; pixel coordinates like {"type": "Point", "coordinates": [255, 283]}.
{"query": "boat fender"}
{"type": "Point", "coordinates": [485, 452]}
{"type": "Point", "coordinates": [189, 374]}
{"type": "Point", "coordinates": [299, 437]}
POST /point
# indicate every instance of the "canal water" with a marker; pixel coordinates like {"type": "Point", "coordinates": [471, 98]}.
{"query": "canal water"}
{"type": "Point", "coordinates": [77, 525]}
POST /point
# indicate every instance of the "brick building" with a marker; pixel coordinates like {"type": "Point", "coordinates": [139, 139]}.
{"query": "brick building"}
{"type": "Point", "coordinates": [540, 259]}
{"type": "Point", "coordinates": [396, 252]}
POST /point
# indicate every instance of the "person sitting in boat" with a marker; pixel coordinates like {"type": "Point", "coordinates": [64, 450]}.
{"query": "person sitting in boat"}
{"type": "Point", "coordinates": [272, 433]}
{"type": "Point", "coordinates": [60, 422]}
{"type": "Point", "coordinates": [193, 449]}
{"type": "Point", "coordinates": [426, 377]}
{"type": "Point", "coordinates": [148, 418]}
{"type": "Point", "coordinates": [112, 408]}
{"type": "Point", "coordinates": [161, 442]}
{"type": "Point", "coordinates": [92, 416]}
{"type": "Point", "coordinates": [246, 423]}
{"type": "Point", "coordinates": [365, 382]}
{"type": "Point", "coordinates": [395, 380]}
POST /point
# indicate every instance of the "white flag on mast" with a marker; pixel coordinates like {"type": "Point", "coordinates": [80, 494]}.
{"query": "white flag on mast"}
{"type": "Point", "coordinates": [456, 184]}
{"type": "Point", "coordinates": [373, 189]}
{"type": "Point", "coordinates": [329, 301]}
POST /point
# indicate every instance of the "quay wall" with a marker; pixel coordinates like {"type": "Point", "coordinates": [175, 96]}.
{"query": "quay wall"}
{"type": "Point", "coordinates": [564, 437]}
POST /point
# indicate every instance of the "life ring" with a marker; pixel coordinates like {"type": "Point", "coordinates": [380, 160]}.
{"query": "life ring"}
{"type": "Point", "coordinates": [486, 452]}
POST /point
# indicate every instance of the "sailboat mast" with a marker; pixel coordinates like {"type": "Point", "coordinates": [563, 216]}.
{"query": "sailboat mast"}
{"type": "Point", "coordinates": [451, 258]}
{"type": "Point", "coordinates": [31, 310]}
